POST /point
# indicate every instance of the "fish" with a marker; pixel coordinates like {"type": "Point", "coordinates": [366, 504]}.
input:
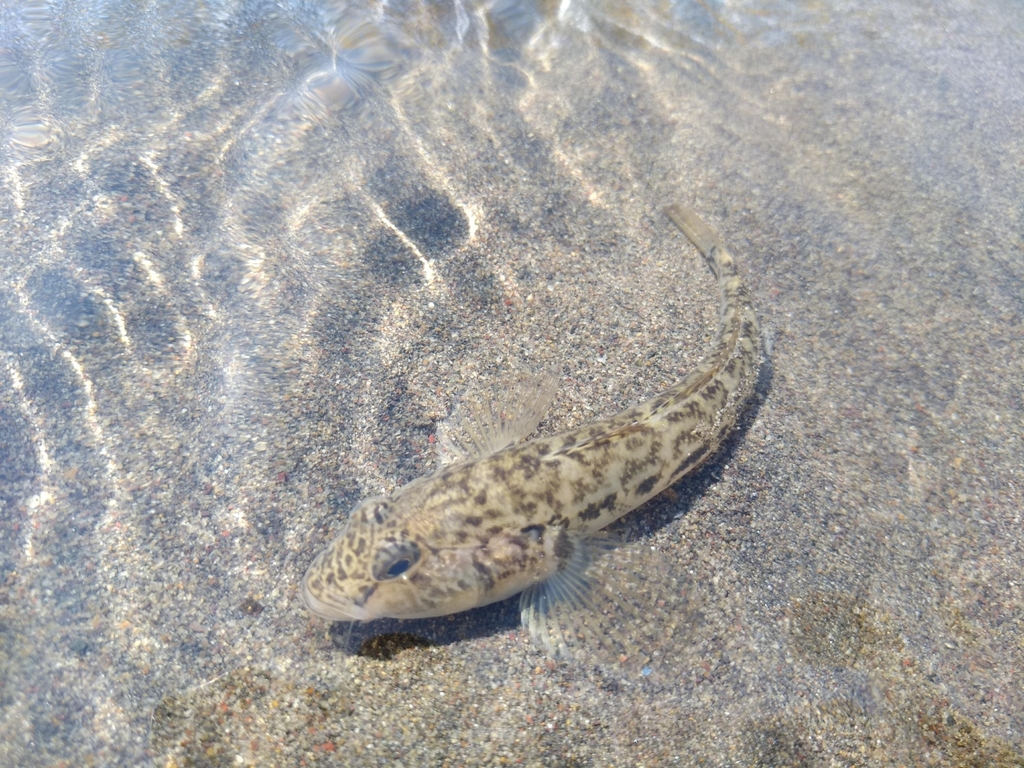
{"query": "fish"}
{"type": "Point", "coordinates": [507, 516]}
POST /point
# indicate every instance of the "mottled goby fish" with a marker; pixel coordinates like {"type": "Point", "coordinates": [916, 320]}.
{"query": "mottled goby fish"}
{"type": "Point", "coordinates": [507, 518]}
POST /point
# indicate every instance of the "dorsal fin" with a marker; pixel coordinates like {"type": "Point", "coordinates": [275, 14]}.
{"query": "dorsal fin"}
{"type": "Point", "coordinates": [485, 421]}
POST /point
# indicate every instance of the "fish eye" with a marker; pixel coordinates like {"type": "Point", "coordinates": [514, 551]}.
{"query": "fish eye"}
{"type": "Point", "coordinates": [394, 559]}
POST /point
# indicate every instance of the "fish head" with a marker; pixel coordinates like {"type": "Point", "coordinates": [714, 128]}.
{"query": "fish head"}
{"type": "Point", "coordinates": [382, 567]}
{"type": "Point", "coordinates": [396, 560]}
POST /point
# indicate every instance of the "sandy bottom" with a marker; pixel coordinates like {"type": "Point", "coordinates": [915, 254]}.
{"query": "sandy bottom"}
{"type": "Point", "coordinates": [247, 270]}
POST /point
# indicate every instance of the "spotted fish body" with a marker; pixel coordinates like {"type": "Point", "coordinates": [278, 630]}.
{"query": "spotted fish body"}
{"type": "Point", "coordinates": [524, 518]}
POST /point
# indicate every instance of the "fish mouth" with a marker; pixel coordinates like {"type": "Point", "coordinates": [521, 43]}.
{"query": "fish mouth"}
{"type": "Point", "coordinates": [332, 607]}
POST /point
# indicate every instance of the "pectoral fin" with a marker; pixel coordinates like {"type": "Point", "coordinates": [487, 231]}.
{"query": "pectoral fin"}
{"type": "Point", "coordinates": [612, 604]}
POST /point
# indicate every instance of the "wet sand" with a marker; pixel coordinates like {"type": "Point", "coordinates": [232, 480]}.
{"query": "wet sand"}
{"type": "Point", "coordinates": [246, 272]}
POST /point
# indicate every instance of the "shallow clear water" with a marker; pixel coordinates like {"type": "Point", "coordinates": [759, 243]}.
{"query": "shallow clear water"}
{"type": "Point", "coordinates": [251, 251]}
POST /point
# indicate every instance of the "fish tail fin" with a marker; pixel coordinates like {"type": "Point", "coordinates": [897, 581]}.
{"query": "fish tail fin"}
{"type": "Point", "coordinates": [701, 235]}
